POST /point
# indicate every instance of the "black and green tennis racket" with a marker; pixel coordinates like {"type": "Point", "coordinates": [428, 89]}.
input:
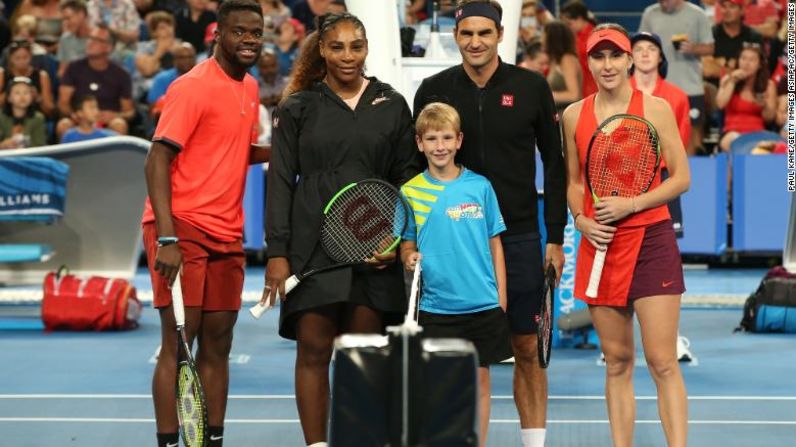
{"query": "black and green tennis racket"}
{"type": "Point", "coordinates": [363, 218]}
{"type": "Point", "coordinates": [191, 405]}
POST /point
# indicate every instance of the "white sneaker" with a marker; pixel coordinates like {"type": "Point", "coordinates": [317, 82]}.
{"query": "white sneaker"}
{"type": "Point", "coordinates": [683, 353]}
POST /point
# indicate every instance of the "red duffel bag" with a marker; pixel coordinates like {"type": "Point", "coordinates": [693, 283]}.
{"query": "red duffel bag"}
{"type": "Point", "coordinates": [88, 304]}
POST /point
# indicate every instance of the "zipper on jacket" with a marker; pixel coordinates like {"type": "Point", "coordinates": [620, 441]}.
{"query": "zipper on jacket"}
{"type": "Point", "coordinates": [482, 148]}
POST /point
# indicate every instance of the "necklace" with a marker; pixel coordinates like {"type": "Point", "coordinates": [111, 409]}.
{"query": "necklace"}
{"type": "Point", "coordinates": [242, 97]}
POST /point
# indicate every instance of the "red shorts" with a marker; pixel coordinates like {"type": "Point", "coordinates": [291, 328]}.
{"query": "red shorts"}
{"type": "Point", "coordinates": [212, 271]}
{"type": "Point", "coordinates": [659, 270]}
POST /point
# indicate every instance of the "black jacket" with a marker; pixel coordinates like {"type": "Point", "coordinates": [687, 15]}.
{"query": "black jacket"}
{"type": "Point", "coordinates": [319, 146]}
{"type": "Point", "coordinates": [502, 124]}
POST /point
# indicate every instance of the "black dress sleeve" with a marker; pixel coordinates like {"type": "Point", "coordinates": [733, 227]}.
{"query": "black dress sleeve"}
{"type": "Point", "coordinates": [282, 172]}
{"type": "Point", "coordinates": [549, 143]}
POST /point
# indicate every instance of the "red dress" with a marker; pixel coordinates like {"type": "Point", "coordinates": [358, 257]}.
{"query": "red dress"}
{"type": "Point", "coordinates": [620, 261]}
{"type": "Point", "coordinates": [743, 116]}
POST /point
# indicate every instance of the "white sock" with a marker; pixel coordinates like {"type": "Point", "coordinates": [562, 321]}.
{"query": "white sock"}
{"type": "Point", "coordinates": [319, 444]}
{"type": "Point", "coordinates": [532, 437]}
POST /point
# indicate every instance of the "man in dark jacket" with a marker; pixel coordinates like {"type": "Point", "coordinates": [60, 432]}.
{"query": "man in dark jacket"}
{"type": "Point", "coordinates": [506, 112]}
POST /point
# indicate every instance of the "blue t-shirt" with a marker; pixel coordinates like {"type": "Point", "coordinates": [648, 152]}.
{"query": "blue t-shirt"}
{"type": "Point", "coordinates": [73, 135]}
{"type": "Point", "coordinates": [160, 84]}
{"type": "Point", "coordinates": [453, 222]}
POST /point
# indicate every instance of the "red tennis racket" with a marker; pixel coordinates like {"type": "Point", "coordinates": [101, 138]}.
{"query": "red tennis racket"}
{"type": "Point", "coordinates": [623, 157]}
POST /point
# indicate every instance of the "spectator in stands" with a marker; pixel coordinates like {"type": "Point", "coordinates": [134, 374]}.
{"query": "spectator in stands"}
{"type": "Point", "coordinates": [72, 43]}
{"type": "Point", "coordinates": [533, 16]}
{"type": "Point", "coordinates": [288, 42]}
{"type": "Point", "coordinates": [275, 12]}
{"type": "Point", "coordinates": [747, 96]}
{"type": "Point", "coordinates": [86, 115]}
{"type": "Point", "coordinates": [24, 28]}
{"type": "Point", "coordinates": [271, 82]}
{"type": "Point", "coordinates": [564, 75]}
{"type": "Point", "coordinates": [120, 17]}
{"type": "Point", "coordinates": [581, 21]}
{"type": "Point", "coordinates": [48, 17]}
{"type": "Point", "coordinates": [20, 63]}
{"type": "Point", "coordinates": [728, 36]}
{"type": "Point", "coordinates": [184, 61]}
{"type": "Point", "coordinates": [305, 12]}
{"type": "Point", "coordinates": [97, 75]}
{"type": "Point", "coordinates": [535, 59]}
{"type": "Point", "coordinates": [685, 33]}
{"type": "Point", "coordinates": [192, 23]}
{"type": "Point", "coordinates": [155, 54]}
{"type": "Point", "coordinates": [416, 11]}
{"type": "Point", "coordinates": [21, 125]}
{"type": "Point", "coordinates": [763, 17]}
{"type": "Point", "coordinates": [648, 74]}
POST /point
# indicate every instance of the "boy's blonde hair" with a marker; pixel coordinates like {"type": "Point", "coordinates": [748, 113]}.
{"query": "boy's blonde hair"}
{"type": "Point", "coordinates": [437, 116]}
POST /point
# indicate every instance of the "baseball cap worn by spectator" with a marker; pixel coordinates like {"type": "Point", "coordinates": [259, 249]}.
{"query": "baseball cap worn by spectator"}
{"type": "Point", "coordinates": [663, 65]}
{"type": "Point", "coordinates": [608, 35]}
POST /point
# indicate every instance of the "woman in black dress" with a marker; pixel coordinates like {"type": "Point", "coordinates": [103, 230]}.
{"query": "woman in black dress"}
{"type": "Point", "coordinates": [335, 126]}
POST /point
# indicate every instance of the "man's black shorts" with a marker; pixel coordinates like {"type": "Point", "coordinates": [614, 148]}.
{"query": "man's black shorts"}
{"type": "Point", "coordinates": [524, 281]}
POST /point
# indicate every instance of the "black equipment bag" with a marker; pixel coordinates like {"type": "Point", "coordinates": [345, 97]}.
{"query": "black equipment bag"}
{"type": "Point", "coordinates": [380, 399]}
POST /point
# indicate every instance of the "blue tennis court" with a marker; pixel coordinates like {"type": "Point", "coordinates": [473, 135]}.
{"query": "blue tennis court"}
{"type": "Point", "coordinates": [92, 389]}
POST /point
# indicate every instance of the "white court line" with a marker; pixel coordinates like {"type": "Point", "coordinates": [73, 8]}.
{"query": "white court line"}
{"type": "Point", "coordinates": [296, 421]}
{"type": "Point", "coordinates": [291, 396]}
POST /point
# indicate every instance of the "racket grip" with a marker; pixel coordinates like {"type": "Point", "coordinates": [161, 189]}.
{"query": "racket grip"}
{"type": "Point", "coordinates": [176, 300]}
{"type": "Point", "coordinates": [261, 308]}
{"type": "Point", "coordinates": [596, 274]}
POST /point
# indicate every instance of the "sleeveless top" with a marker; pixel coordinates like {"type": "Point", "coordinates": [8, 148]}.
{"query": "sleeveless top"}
{"type": "Point", "coordinates": [587, 125]}
{"type": "Point", "coordinates": [624, 249]}
{"type": "Point", "coordinates": [742, 116]}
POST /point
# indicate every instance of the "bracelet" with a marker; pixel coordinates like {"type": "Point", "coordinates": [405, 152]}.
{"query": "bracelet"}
{"type": "Point", "coordinates": [167, 240]}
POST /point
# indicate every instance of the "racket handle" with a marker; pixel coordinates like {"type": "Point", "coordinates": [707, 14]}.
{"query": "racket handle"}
{"type": "Point", "coordinates": [176, 300]}
{"type": "Point", "coordinates": [261, 308]}
{"type": "Point", "coordinates": [596, 274]}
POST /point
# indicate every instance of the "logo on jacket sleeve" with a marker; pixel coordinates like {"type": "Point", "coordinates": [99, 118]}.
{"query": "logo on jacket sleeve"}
{"type": "Point", "coordinates": [507, 100]}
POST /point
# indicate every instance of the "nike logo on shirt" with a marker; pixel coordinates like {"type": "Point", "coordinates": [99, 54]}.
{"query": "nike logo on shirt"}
{"type": "Point", "coordinates": [176, 444]}
{"type": "Point", "coordinates": [215, 437]}
{"type": "Point", "coordinates": [667, 283]}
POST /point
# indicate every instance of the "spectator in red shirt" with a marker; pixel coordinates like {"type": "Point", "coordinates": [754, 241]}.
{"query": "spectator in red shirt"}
{"type": "Point", "coordinates": [581, 21]}
{"type": "Point", "coordinates": [648, 74]}
{"type": "Point", "coordinates": [747, 96]}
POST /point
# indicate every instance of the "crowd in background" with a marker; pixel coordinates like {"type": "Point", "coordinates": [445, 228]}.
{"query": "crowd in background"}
{"type": "Point", "coordinates": [72, 70]}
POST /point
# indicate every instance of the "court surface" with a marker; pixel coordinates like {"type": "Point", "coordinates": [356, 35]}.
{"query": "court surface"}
{"type": "Point", "coordinates": [92, 389]}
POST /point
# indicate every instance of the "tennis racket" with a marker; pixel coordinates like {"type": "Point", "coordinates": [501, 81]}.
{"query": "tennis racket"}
{"type": "Point", "coordinates": [191, 405]}
{"type": "Point", "coordinates": [623, 157]}
{"type": "Point", "coordinates": [544, 321]}
{"type": "Point", "coordinates": [363, 218]}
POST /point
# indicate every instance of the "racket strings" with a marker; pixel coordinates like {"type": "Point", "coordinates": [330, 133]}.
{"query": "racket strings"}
{"type": "Point", "coordinates": [622, 158]}
{"type": "Point", "coordinates": [365, 218]}
{"type": "Point", "coordinates": [189, 407]}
